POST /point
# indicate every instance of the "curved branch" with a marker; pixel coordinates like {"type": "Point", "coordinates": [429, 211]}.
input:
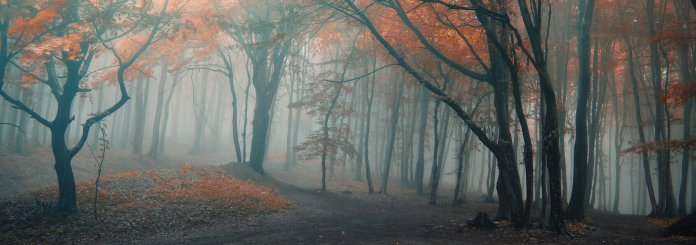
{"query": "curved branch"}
{"type": "Point", "coordinates": [14, 125]}
{"type": "Point", "coordinates": [122, 84]}
{"type": "Point", "coordinates": [476, 129]}
{"type": "Point", "coordinates": [357, 78]}
{"type": "Point", "coordinates": [435, 51]}
{"type": "Point", "coordinates": [17, 104]}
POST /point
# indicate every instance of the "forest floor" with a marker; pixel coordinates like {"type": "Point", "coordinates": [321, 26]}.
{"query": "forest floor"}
{"type": "Point", "coordinates": [346, 214]}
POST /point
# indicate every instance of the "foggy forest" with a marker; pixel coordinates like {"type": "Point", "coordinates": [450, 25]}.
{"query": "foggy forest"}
{"type": "Point", "coordinates": [347, 121]}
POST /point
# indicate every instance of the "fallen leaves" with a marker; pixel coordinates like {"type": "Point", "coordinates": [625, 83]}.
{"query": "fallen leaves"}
{"type": "Point", "coordinates": [137, 204]}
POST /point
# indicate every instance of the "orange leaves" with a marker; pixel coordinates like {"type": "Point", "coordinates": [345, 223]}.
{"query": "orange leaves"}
{"type": "Point", "coordinates": [39, 23]}
{"type": "Point", "coordinates": [200, 185]}
{"type": "Point", "coordinates": [443, 29]}
{"type": "Point", "coordinates": [678, 94]}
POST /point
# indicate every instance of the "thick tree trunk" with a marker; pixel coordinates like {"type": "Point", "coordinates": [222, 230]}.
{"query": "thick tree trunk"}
{"type": "Point", "coordinates": [577, 202]}
{"type": "Point", "coordinates": [67, 194]}
{"type": "Point", "coordinates": [686, 152]}
{"type": "Point", "coordinates": [259, 133]}
{"type": "Point", "coordinates": [666, 205]}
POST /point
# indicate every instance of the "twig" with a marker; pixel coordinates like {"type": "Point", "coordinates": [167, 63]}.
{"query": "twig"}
{"type": "Point", "coordinates": [14, 125]}
{"type": "Point", "coordinates": [100, 163]}
{"type": "Point", "coordinates": [356, 78]}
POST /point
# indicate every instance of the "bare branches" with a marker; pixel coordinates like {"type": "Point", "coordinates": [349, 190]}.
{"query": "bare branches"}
{"type": "Point", "coordinates": [365, 75]}
{"type": "Point", "coordinates": [14, 125]}
{"type": "Point", "coordinates": [123, 65]}
{"type": "Point", "coordinates": [428, 84]}
{"type": "Point", "coordinates": [17, 104]}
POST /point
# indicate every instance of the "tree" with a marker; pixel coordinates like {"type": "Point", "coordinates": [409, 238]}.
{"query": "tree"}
{"type": "Point", "coordinates": [577, 204]}
{"type": "Point", "coordinates": [267, 33]}
{"type": "Point", "coordinates": [65, 37]}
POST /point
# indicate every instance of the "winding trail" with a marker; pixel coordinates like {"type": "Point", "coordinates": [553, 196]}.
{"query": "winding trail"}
{"type": "Point", "coordinates": [360, 218]}
{"type": "Point", "coordinates": [326, 217]}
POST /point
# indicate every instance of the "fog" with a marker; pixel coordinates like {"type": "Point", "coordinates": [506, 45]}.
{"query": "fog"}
{"type": "Point", "coordinates": [537, 112]}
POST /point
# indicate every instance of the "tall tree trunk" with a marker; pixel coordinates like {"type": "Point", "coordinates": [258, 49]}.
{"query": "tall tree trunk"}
{"type": "Point", "coordinates": [140, 111]}
{"type": "Point", "coordinates": [435, 172]}
{"type": "Point", "coordinates": [200, 111]}
{"type": "Point", "coordinates": [684, 76]}
{"type": "Point", "coordinates": [639, 120]}
{"type": "Point", "coordinates": [423, 99]}
{"type": "Point", "coordinates": [21, 143]}
{"type": "Point", "coordinates": [398, 93]}
{"type": "Point", "coordinates": [666, 204]}
{"type": "Point", "coordinates": [458, 197]}
{"type": "Point", "coordinates": [156, 125]}
{"type": "Point", "coordinates": [288, 138]}
{"type": "Point", "coordinates": [325, 132]}
{"type": "Point", "coordinates": [176, 79]}
{"type": "Point", "coordinates": [618, 143]}
{"type": "Point", "coordinates": [366, 155]}
{"type": "Point", "coordinates": [577, 202]}
{"type": "Point", "coordinates": [235, 121]}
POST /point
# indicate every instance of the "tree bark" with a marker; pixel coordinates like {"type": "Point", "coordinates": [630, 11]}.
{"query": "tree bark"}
{"type": "Point", "coordinates": [156, 125]}
{"type": "Point", "coordinates": [394, 119]}
{"type": "Point", "coordinates": [639, 120]}
{"type": "Point", "coordinates": [424, 100]}
{"type": "Point", "coordinates": [577, 202]}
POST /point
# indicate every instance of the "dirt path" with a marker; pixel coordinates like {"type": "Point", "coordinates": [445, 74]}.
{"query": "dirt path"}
{"type": "Point", "coordinates": [360, 218]}
{"type": "Point", "coordinates": [625, 229]}
{"type": "Point", "coordinates": [326, 217]}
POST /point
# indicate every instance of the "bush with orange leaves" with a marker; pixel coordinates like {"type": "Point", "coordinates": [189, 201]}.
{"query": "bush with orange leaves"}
{"type": "Point", "coordinates": [205, 185]}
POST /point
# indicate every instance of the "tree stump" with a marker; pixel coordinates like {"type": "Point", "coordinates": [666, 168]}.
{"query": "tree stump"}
{"type": "Point", "coordinates": [482, 221]}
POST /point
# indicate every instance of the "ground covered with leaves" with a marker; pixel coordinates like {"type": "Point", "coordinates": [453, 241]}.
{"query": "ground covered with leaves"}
{"type": "Point", "coordinates": [135, 205]}
{"type": "Point", "coordinates": [177, 203]}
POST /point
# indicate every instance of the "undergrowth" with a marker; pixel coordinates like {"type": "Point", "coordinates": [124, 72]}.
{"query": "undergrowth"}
{"type": "Point", "coordinates": [136, 204]}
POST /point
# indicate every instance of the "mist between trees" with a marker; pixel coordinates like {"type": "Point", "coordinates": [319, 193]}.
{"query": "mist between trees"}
{"type": "Point", "coordinates": [557, 106]}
